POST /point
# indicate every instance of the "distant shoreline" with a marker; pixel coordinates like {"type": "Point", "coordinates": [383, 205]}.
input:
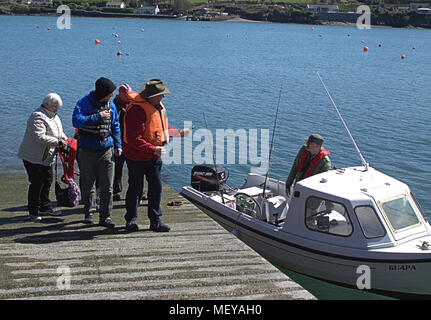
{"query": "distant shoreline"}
{"type": "Point", "coordinates": [237, 18]}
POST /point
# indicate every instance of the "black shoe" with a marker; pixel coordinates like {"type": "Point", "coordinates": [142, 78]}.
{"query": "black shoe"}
{"type": "Point", "coordinates": [88, 218]}
{"type": "Point", "coordinates": [49, 212]}
{"type": "Point", "coordinates": [107, 223]}
{"type": "Point", "coordinates": [159, 227]}
{"type": "Point", "coordinates": [132, 227]}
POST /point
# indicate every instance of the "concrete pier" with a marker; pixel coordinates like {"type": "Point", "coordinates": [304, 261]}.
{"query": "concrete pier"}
{"type": "Point", "coordinates": [62, 258]}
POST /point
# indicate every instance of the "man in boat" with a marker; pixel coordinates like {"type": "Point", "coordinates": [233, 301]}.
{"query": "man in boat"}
{"type": "Point", "coordinates": [311, 159]}
{"type": "Point", "coordinates": [146, 132]}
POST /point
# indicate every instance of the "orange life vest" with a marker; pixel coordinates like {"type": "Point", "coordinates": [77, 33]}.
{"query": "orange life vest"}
{"type": "Point", "coordinates": [309, 171]}
{"type": "Point", "coordinates": [156, 123]}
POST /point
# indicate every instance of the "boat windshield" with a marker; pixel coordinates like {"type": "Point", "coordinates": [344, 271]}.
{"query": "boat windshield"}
{"type": "Point", "coordinates": [399, 212]}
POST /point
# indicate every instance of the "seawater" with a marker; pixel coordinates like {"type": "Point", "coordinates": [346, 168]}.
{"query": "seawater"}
{"type": "Point", "coordinates": [233, 72]}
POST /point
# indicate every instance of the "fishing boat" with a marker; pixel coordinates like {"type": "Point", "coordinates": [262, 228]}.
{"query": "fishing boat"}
{"type": "Point", "coordinates": [354, 228]}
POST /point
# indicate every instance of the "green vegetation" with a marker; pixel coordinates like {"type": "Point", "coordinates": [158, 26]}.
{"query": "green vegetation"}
{"type": "Point", "coordinates": [283, 11]}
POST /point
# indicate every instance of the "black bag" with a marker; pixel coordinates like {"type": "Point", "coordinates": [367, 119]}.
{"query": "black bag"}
{"type": "Point", "coordinates": [62, 195]}
{"type": "Point", "coordinates": [68, 196]}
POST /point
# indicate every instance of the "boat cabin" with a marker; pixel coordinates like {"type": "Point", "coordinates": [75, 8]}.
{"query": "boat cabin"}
{"type": "Point", "coordinates": [355, 207]}
{"type": "Point", "coordinates": [350, 207]}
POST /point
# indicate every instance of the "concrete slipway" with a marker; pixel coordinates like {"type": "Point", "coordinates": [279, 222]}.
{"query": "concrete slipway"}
{"type": "Point", "coordinates": [62, 258]}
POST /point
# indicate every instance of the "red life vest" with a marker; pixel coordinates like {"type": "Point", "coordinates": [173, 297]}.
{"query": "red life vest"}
{"type": "Point", "coordinates": [156, 124]}
{"type": "Point", "coordinates": [323, 153]}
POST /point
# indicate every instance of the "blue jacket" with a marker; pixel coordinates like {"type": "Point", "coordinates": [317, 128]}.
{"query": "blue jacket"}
{"type": "Point", "coordinates": [83, 116]}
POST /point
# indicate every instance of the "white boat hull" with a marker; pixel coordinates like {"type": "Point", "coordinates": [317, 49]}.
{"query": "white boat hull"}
{"type": "Point", "coordinates": [399, 276]}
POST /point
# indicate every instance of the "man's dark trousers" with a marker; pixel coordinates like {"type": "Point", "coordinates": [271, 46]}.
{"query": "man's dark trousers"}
{"type": "Point", "coordinates": [137, 170]}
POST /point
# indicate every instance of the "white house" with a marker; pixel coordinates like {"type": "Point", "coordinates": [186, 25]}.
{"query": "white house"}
{"type": "Point", "coordinates": [46, 2]}
{"type": "Point", "coordinates": [112, 4]}
{"type": "Point", "coordinates": [414, 6]}
{"type": "Point", "coordinates": [423, 10]}
{"type": "Point", "coordinates": [321, 8]}
{"type": "Point", "coordinates": [147, 10]}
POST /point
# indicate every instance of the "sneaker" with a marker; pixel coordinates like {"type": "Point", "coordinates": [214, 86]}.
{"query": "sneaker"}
{"type": "Point", "coordinates": [131, 226]}
{"type": "Point", "coordinates": [107, 223]}
{"type": "Point", "coordinates": [35, 218]}
{"type": "Point", "coordinates": [88, 218]}
{"type": "Point", "coordinates": [116, 197]}
{"type": "Point", "coordinates": [50, 212]}
{"type": "Point", "coordinates": [159, 227]}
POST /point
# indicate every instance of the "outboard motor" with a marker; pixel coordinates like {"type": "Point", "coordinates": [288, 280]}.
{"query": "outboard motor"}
{"type": "Point", "coordinates": [204, 177]}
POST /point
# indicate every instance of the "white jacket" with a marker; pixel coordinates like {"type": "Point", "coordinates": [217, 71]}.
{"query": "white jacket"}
{"type": "Point", "coordinates": [43, 133]}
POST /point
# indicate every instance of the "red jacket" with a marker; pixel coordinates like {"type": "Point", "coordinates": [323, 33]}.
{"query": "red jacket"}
{"type": "Point", "coordinates": [137, 148]}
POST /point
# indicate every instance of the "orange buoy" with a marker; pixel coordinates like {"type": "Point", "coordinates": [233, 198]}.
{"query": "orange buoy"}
{"type": "Point", "coordinates": [96, 41]}
{"type": "Point", "coordinates": [119, 53]}
{"type": "Point", "coordinates": [403, 56]}
{"type": "Point", "coordinates": [365, 49]}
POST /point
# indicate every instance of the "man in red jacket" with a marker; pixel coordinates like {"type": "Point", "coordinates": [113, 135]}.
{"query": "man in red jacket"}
{"type": "Point", "coordinates": [146, 131]}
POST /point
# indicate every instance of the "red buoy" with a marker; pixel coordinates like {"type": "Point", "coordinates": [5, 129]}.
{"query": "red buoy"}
{"type": "Point", "coordinates": [119, 42]}
{"type": "Point", "coordinates": [403, 56]}
{"type": "Point", "coordinates": [96, 41]}
{"type": "Point", "coordinates": [365, 49]}
{"type": "Point", "coordinates": [119, 53]}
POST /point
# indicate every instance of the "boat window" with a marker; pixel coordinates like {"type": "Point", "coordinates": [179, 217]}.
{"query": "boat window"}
{"type": "Point", "coordinates": [370, 224]}
{"type": "Point", "coordinates": [327, 216]}
{"type": "Point", "coordinates": [399, 212]}
{"type": "Point", "coordinates": [418, 206]}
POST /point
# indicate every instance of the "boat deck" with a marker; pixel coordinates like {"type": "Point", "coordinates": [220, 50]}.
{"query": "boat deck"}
{"type": "Point", "coordinates": [198, 259]}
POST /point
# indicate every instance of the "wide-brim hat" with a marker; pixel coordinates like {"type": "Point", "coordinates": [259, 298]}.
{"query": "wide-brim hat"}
{"type": "Point", "coordinates": [153, 88]}
{"type": "Point", "coordinates": [314, 137]}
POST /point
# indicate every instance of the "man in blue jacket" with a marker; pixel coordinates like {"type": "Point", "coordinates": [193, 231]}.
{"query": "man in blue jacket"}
{"type": "Point", "coordinates": [99, 138]}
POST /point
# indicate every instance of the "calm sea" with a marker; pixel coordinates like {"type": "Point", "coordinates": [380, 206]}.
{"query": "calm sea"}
{"type": "Point", "coordinates": [233, 72]}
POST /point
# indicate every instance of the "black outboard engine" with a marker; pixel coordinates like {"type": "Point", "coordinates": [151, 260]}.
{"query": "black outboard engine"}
{"type": "Point", "coordinates": [205, 176]}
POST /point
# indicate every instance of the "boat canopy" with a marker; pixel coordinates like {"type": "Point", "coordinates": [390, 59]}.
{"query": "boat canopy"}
{"type": "Point", "coordinates": [355, 207]}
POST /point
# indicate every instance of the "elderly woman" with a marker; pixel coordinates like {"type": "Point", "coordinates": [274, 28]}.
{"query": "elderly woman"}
{"type": "Point", "coordinates": [43, 134]}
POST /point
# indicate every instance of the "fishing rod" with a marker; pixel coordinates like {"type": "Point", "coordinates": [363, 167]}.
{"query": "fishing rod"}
{"type": "Point", "coordinates": [272, 141]}
{"type": "Point", "coordinates": [344, 123]}
{"type": "Point", "coordinates": [214, 162]}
